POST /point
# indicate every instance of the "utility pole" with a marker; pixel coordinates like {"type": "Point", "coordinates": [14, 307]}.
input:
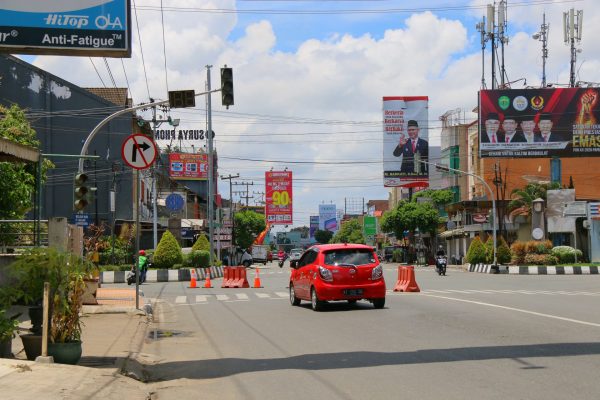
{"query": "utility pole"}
{"type": "Point", "coordinates": [231, 213]}
{"type": "Point", "coordinates": [247, 197]}
{"type": "Point", "coordinates": [211, 177]}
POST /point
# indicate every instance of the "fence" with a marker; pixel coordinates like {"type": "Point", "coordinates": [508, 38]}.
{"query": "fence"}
{"type": "Point", "coordinates": [19, 234]}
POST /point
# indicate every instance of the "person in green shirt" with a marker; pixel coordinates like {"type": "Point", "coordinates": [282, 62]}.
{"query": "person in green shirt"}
{"type": "Point", "coordinates": [142, 265]}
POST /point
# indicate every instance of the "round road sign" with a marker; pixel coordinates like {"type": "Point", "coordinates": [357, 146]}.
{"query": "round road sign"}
{"type": "Point", "coordinates": [139, 151]}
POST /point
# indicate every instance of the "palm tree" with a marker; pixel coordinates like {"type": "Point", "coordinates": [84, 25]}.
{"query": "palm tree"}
{"type": "Point", "coordinates": [522, 199]}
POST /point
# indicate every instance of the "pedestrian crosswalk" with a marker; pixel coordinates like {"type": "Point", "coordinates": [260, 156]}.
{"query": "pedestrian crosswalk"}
{"type": "Point", "coordinates": [280, 294]}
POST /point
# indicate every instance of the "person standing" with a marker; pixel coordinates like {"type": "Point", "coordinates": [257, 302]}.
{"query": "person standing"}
{"type": "Point", "coordinates": [412, 148]}
{"type": "Point", "coordinates": [142, 265]}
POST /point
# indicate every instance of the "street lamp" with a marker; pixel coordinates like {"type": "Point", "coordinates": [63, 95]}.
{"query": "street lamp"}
{"type": "Point", "coordinates": [445, 168]}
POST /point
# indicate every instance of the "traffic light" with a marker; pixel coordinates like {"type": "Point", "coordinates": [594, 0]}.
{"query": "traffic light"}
{"type": "Point", "coordinates": [227, 87]}
{"type": "Point", "coordinates": [80, 191]}
{"type": "Point", "coordinates": [182, 98]}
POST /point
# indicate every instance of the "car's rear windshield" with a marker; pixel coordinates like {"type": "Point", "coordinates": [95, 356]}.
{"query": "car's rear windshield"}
{"type": "Point", "coordinates": [349, 257]}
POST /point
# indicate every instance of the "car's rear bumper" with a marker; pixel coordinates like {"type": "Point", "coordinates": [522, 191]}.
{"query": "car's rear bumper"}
{"type": "Point", "coordinates": [331, 292]}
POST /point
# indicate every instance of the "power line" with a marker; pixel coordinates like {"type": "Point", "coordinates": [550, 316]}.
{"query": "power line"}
{"type": "Point", "coordinates": [97, 73]}
{"type": "Point", "coordinates": [141, 49]}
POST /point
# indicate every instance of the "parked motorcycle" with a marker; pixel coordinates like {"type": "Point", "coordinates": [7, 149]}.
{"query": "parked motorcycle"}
{"type": "Point", "coordinates": [440, 265]}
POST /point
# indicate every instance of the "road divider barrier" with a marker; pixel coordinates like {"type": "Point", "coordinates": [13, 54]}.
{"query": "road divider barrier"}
{"type": "Point", "coordinates": [235, 277]}
{"type": "Point", "coordinates": [406, 280]}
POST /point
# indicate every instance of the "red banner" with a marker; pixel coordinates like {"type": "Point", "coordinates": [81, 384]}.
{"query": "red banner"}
{"type": "Point", "coordinates": [278, 208]}
{"type": "Point", "coordinates": [190, 166]}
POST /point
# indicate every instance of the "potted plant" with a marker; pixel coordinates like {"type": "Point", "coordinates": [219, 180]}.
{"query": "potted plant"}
{"type": "Point", "coordinates": [8, 327]}
{"type": "Point", "coordinates": [67, 301]}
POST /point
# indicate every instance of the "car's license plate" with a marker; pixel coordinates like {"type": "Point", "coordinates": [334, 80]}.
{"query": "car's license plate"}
{"type": "Point", "coordinates": [353, 292]}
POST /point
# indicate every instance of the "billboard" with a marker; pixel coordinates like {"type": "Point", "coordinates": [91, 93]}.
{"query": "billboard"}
{"type": "Point", "coordinates": [328, 218]}
{"type": "Point", "coordinates": [95, 28]}
{"type": "Point", "coordinates": [539, 122]}
{"type": "Point", "coordinates": [188, 166]}
{"type": "Point", "coordinates": [405, 141]}
{"type": "Point", "coordinates": [278, 207]}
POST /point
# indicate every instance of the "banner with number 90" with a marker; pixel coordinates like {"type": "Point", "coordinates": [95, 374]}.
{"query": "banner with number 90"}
{"type": "Point", "coordinates": [278, 185]}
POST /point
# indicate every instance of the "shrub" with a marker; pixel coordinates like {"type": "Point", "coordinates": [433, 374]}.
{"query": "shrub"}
{"type": "Point", "coordinates": [518, 250]}
{"type": "Point", "coordinates": [566, 254]}
{"type": "Point", "coordinates": [201, 243]}
{"type": "Point", "coordinates": [540, 259]}
{"type": "Point", "coordinates": [537, 247]}
{"type": "Point", "coordinates": [167, 252]}
{"type": "Point", "coordinates": [198, 259]}
{"type": "Point", "coordinates": [397, 255]}
{"type": "Point", "coordinates": [503, 252]}
{"type": "Point", "coordinates": [476, 253]}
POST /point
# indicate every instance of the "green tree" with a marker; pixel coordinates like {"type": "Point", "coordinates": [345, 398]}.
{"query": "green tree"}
{"type": "Point", "coordinates": [201, 243]}
{"type": "Point", "coordinates": [522, 199]}
{"type": "Point", "coordinates": [410, 216]}
{"type": "Point", "coordinates": [350, 232]}
{"type": "Point", "coordinates": [439, 197]}
{"type": "Point", "coordinates": [323, 236]}
{"type": "Point", "coordinates": [248, 225]}
{"type": "Point", "coordinates": [168, 252]}
{"type": "Point", "coordinates": [503, 253]}
{"type": "Point", "coordinates": [18, 179]}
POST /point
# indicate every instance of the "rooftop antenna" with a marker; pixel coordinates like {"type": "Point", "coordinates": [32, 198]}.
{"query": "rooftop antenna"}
{"type": "Point", "coordinates": [572, 30]}
{"type": "Point", "coordinates": [491, 25]}
{"type": "Point", "coordinates": [542, 36]}
{"type": "Point", "coordinates": [481, 29]}
{"type": "Point", "coordinates": [502, 28]}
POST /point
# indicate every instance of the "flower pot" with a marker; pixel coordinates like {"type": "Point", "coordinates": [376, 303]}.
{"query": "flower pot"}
{"type": "Point", "coordinates": [36, 315]}
{"type": "Point", "coordinates": [32, 345]}
{"type": "Point", "coordinates": [6, 349]}
{"type": "Point", "coordinates": [65, 353]}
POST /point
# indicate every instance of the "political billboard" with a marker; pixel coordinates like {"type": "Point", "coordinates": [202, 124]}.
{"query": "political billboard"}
{"type": "Point", "coordinates": [328, 218]}
{"type": "Point", "coordinates": [95, 28]}
{"type": "Point", "coordinates": [188, 166]}
{"type": "Point", "coordinates": [279, 204]}
{"type": "Point", "coordinates": [405, 141]}
{"type": "Point", "coordinates": [547, 122]}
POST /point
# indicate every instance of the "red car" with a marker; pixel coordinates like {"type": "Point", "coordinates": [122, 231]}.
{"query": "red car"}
{"type": "Point", "coordinates": [333, 272]}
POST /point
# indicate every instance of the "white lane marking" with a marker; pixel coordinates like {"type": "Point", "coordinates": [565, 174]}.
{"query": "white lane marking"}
{"type": "Point", "coordinates": [518, 310]}
{"type": "Point", "coordinates": [181, 299]}
{"type": "Point", "coordinates": [262, 295]}
{"type": "Point", "coordinates": [241, 296]}
{"type": "Point", "coordinates": [282, 294]}
{"type": "Point", "coordinates": [222, 297]}
{"type": "Point", "coordinates": [201, 298]}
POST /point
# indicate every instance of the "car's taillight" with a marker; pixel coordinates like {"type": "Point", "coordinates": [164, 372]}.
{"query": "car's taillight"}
{"type": "Point", "coordinates": [377, 272]}
{"type": "Point", "coordinates": [325, 274]}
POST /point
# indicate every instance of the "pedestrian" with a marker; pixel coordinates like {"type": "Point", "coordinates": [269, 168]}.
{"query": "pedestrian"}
{"type": "Point", "coordinates": [142, 265]}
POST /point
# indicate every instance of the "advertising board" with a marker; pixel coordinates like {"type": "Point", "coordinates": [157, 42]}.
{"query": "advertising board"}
{"type": "Point", "coordinates": [278, 208]}
{"type": "Point", "coordinates": [328, 218]}
{"type": "Point", "coordinates": [405, 141]}
{"type": "Point", "coordinates": [548, 122]}
{"type": "Point", "coordinates": [96, 28]}
{"type": "Point", "coordinates": [188, 166]}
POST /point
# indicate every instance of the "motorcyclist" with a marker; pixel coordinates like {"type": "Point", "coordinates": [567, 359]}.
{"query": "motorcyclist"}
{"type": "Point", "coordinates": [142, 265]}
{"type": "Point", "coordinates": [281, 256]}
{"type": "Point", "coordinates": [441, 252]}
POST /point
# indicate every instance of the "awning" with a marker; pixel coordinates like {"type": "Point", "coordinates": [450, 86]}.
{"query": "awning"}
{"type": "Point", "coordinates": [14, 152]}
{"type": "Point", "coordinates": [453, 232]}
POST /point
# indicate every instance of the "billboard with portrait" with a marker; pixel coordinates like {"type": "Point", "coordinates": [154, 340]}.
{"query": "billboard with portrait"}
{"type": "Point", "coordinates": [96, 28]}
{"type": "Point", "coordinates": [546, 122]}
{"type": "Point", "coordinates": [405, 141]}
{"type": "Point", "coordinates": [190, 166]}
{"type": "Point", "coordinates": [278, 207]}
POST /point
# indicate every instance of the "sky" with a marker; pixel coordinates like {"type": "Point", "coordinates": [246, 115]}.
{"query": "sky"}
{"type": "Point", "coordinates": [309, 77]}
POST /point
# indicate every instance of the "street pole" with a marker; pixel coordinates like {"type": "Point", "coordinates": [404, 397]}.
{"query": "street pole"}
{"type": "Point", "coordinates": [137, 239]}
{"type": "Point", "coordinates": [445, 168]}
{"type": "Point", "coordinates": [154, 210]}
{"type": "Point", "coordinates": [231, 213]}
{"type": "Point", "coordinates": [209, 197]}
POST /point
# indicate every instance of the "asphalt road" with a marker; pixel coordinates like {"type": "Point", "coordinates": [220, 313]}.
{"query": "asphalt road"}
{"type": "Point", "coordinates": [464, 336]}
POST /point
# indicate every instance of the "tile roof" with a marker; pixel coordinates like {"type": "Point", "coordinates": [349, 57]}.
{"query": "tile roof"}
{"type": "Point", "coordinates": [116, 96]}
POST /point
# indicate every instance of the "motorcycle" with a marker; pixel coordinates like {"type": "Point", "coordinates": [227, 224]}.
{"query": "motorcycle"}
{"type": "Point", "coordinates": [131, 274]}
{"type": "Point", "coordinates": [282, 260]}
{"type": "Point", "coordinates": [440, 265]}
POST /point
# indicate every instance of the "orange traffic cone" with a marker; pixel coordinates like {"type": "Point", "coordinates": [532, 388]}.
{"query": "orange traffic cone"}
{"type": "Point", "coordinates": [257, 280]}
{"type": "Point", "coordinates": [193, 279]}
{"type": "Point", "coordinates": [207, 283]}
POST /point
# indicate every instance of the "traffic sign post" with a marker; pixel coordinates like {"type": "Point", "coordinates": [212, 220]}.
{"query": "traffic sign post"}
{"type": "Point", "coordinates": [139, 151]}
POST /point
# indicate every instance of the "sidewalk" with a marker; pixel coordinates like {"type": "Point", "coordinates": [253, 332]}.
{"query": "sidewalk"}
{"type": "Point", "coordinates": [112, 334]}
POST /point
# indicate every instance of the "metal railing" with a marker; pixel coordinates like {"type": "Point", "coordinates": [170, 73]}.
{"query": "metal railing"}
{"type": "Point", "coordinates": [21, 234]}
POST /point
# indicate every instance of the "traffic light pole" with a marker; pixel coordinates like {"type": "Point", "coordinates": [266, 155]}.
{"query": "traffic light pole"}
{"type": "Point", "coordinates": [211, 183]}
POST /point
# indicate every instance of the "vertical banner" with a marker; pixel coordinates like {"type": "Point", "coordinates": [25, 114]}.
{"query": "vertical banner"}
{"type": "Point", "coordinates": [314, 225]}
{"type": "Point", "coordinates": [328, 218]}
{"type": "Point", "coordinates": [278, 208]}
{"type": "Point", "coordinates": [405, 141]}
